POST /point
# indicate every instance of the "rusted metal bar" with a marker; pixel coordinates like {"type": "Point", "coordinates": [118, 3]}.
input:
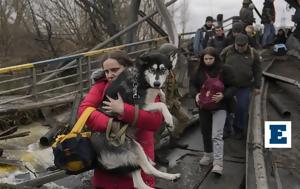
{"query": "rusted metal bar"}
{"type": "Point", "coordinates": [156, 27]}
{"type": "Point", "coordinates": [282, 79]}
{"type": "Point", "coordinates": [255, 150]}
{"type": "Point", "coordinates": [15, 89]}
{"type": "Point", "coordinates": [14, 79]}
{"type": "Point", "coordinates": [44, 179]}
{"type": "Point", "coordinates": [35, 105]}
{"type": "Point", "coordinates": [61, 87]}
{"type": "Point", "coordinates": [9, 131]}
{"type": "Point", "coordinates": [23, 134]}
{"type": "Point", "coordinates": [60, 78]}
{"type": "Point", "coordinates": [256, 10]}
{"type": "Point", "coordinates": [79, 71]}
{"type": "Point", "coordinates": [34, 89]}
{"type": "Point", "coordinates": [129, 28]}
{"type": "Point", "coordinates": [56, 70]}
{"type": "Point", "coordinates": [64, 95]}
{"type": "Point", "coordinates": [12, 162]}
{"type": "Point", "coordinates": [15, 99]}
{"type": "Point", "coordinates": [89, 71]}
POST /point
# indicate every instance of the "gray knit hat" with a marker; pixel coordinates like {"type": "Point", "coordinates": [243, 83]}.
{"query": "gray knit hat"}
{"type": "Point", "coordinates": [237, 27]}
{"type": "Point", "coordinates": [167, 49]}
{"type": "Point", "coordinates": [241, 39]}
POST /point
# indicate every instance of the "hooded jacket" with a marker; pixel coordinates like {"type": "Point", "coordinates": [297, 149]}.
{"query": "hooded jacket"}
{"type": "Point", "coordinates": [226, 76]}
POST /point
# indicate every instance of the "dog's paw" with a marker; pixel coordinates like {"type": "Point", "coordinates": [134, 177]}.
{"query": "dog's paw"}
{"type": "Point", "coordinates": [168, 118]}
{"type": "Point", "coordinates": [170, 123]}
{"type": "Point", "coordinates": [175, 177]}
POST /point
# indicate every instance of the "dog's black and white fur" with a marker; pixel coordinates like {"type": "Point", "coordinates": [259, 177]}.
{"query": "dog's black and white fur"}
{"type": "Point", "coordinates": [149, 74]}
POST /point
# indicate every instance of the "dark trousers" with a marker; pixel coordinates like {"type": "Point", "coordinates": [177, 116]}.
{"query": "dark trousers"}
{"type": "Point", "coordinates": [205, 119]}
{"type": "Point", "coordinates": [242, 108]}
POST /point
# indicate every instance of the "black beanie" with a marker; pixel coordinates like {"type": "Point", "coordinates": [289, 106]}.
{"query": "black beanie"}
{"type": "Point", "coordinates": [209, 18]}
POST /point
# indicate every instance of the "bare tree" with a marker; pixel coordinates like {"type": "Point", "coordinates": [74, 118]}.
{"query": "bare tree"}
{"type": "Point", "coordinates": [184, 14]}
{"type": "Point", "coordinates": [102, 16]}
{"type": "Point", "coordinates": [11, 13]}
{"type": "Point", "coordinates": [133, 17]}
{"type": "Point", "coordinates": [145, 31]}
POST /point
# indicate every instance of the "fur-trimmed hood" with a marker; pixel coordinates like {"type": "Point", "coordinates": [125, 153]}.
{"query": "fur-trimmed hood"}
{"type": "Point", "coordinates": [97, 75]}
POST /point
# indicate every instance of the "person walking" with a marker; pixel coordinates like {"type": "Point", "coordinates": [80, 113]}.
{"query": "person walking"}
{"type": "Point", "coordinates": [246, 64]}
{"type": "Point", "coordinates": [246, 13]}
{"type": "Point", "coordinates": [268, 19]}
{"type": "Point", "coordinates": [112, 64]}
{"type": "Point", "coordinates": [218, 40]}
{"type": "Point", "coordinates": [173, 99]}
{"type": "Point", "coordinates": [212, 120]}
{"type": "Point", "coordinates": [202, 35]}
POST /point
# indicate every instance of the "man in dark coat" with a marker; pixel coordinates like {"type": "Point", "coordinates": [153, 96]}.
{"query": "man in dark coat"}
{"type": "Point", "coordinates": [246, 13]}
{"type": "Point", "coordinates": [218, 40]}
{"type": "Point", "coordinates": [245, 62]}
{"type": "Point", "coordinates": [203, 35]}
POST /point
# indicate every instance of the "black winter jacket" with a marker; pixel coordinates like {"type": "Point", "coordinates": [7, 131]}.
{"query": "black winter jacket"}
{"type": "Point", "coordinates": [226, 75]}
{"type": "Point", "coordinates": [268, 12]}
{"type": "Point", "coordinates": [246, 66]}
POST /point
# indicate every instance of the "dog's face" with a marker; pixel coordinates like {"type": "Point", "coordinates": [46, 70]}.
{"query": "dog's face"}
{"type": "Point", "coordinates": [155, 67]}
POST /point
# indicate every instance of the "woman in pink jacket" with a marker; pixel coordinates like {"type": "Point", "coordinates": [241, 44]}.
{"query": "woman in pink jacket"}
{"type": "Point", "coordinates": [148, 122]}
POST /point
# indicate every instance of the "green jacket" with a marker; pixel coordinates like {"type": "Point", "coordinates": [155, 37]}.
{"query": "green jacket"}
{"type": "Point", "coordinates": [246, 66]}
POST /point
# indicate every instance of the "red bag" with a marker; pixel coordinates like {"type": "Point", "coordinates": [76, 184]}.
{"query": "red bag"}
{"type": "Point", "coordinates": [210, 87]}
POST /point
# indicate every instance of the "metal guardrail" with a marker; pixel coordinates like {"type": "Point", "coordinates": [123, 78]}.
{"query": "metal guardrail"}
{"type": "Point", "coordinates": [27, 81]}
{"type": "Point", "coordinates": [256, 171]}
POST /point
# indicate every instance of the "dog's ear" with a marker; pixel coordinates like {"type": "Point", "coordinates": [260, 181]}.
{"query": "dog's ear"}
{"type": "Point", "coordinates": [143, 59]}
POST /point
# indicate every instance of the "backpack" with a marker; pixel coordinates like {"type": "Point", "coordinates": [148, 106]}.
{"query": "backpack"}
{"type": "Point", "coordinates": [74, 152]}
{"type": "Point", "coordinates": [210, 87]}
{"type": "Point", "coordinates": [279, 49]}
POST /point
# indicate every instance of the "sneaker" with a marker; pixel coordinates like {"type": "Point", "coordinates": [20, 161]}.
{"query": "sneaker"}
{"type": "Point", "coordinates": [206, 159]}
{"type": "Point", "coordinates": [217, 169]}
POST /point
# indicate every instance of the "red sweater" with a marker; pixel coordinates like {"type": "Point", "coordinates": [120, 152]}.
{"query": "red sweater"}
{"type": "Point", "coordinates": [147, 124]}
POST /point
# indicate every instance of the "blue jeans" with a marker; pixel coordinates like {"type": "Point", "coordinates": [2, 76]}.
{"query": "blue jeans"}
{"type": "Point", "coordinates": [268, 36]}
{"type": "Point", "coordinates": [197, 43]}
{"type": "Point", "coordinates": [243, 101]}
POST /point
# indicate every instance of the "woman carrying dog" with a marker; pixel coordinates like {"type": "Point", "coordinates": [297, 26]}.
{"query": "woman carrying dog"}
{"type": "Point", "coordinates": [147, 123]}
{"type": "Point", "coordinates": [212, 118]}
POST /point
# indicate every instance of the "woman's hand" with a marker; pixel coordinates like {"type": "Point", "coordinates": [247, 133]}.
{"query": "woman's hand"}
{"type": "Point", "coordinates": [217, 97]}
{"type": "Point", "coordinates": [256, 91]}
{"type": "Point", "coordinates": [197, 98]}
{"type": "Point", "coordinates": [114, 105]}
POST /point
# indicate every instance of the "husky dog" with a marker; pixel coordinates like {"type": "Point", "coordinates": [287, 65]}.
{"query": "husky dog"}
{"type": "Point", "coordinates": [139, 86]}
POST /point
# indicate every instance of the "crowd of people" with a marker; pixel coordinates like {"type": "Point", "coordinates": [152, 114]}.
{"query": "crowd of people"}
{"type": "Point", "coordinates": [230, 64]}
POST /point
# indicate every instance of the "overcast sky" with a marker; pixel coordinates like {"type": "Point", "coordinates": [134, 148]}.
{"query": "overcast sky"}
{"type": "Point", "coordinates": [199, 9]}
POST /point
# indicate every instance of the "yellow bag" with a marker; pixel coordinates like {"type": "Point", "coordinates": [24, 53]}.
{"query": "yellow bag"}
{"type": "Point", "coordinates": [74, 152]}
